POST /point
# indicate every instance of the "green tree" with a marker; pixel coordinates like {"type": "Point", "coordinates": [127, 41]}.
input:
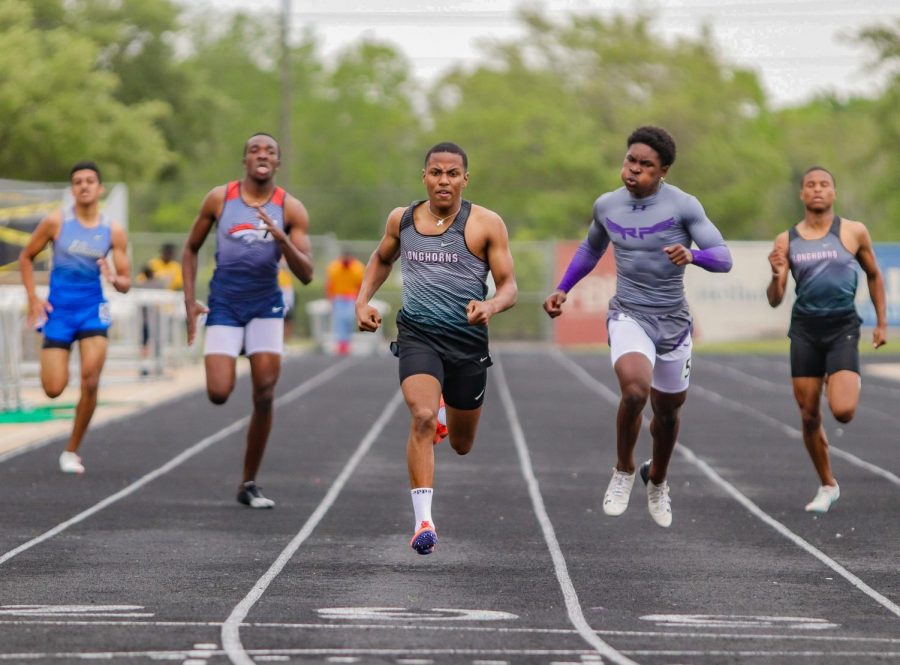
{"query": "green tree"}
{"type": "Point", "coordinates": [57, 107]}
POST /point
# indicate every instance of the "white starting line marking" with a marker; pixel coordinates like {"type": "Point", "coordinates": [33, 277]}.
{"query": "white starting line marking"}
{"type": "Point", "coordinates": [737, 621]}
{"type": "Point", "coordinates": [600, 389]}
{"type": "Point", "coordinates": [405, 614]}
{"type": "Point", "coordinates": [73, 610]}
{"type": "Point", "coordinates": [302, 389]}
{"type": "Point", "coordinates": [356, 655]}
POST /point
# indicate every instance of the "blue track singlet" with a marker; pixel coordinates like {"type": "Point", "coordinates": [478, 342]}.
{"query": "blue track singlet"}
{"type": "Point", "coordinates": [75, 275]}
{"type": "Point", "coordinates": [246, 256]}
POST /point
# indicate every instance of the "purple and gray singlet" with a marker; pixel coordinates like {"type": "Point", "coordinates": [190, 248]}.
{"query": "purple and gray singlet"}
{"type": "Point", "coordinates": [648, 284]}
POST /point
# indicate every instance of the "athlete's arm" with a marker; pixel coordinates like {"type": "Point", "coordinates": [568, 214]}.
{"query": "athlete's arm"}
{"type": "Point", "coordinates": [865, 255]}
{"type": "Point", "coordinates": [121, 278]}
{"type": "Point", "coordinates": [500, 263]}
{"type": "Point", "coordinates": [712, 254]}
{"type": "Point", "coordinates": [209, 212]}
{"type": "Point", "coordinates": [778, 261]}
{"type": "Point", "coordinates": [296, 247]}
{"type": "Point", "coordinates": [44, 234]}
{"type": "Point", "coordinates": [377, 271]}
{"type": "Point", "coordinates": [588, 254]}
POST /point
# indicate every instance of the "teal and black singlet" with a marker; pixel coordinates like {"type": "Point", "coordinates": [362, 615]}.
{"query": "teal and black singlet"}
{"type": "Point", "coordinates": [440, 277]}
{"type": "Point", "coordinates": [825, 274]}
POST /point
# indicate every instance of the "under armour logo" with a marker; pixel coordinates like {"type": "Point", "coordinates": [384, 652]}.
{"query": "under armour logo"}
{"type": "Point", "coordinates": [635, 206]}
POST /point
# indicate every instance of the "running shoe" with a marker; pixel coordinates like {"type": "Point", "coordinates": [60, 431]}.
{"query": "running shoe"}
{"type": "Point", "coordinates": [424, 540]}
{"type": "Point", "coordinates": [824, 499]}
{"type": "Point", "coordinates": [615, 501]}
{"type": "Point", "coordinates": [249, 495]}
{"type": "Point", "coordinates": [441, 432]}
{"type": "Point", "coordinates": [658, 502]}
{"type": "Point", "coordinates": [70, 463]}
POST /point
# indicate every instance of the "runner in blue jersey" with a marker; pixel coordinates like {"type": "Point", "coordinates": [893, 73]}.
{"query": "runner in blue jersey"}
{"type": "Point", "coordinates": [446, 246]}
{"type": "Point", "coordinates": [256, 224]}
{"type": "Point", "coordinates": [822, 253]}
{"type": "Point", "coordinates": [76, 309]}
{"type": "Point", "coordinates": [652, 225]}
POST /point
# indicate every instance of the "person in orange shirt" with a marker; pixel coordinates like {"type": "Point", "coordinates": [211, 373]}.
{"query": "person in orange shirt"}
{"type": "Point", "coordinates": [343, 278]}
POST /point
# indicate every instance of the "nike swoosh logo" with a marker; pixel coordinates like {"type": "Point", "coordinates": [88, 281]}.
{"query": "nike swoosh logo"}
{"type": "Point", "coordinates": [478, 396]}
{"type": "Point", "coordinates": [481, 360]}
{"type": "Point", "coordinates": [444, 244]}
{"type": "Point", "coordinates": [276, 309]}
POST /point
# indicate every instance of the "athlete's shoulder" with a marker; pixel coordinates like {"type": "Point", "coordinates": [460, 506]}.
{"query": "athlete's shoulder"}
{"type": "Point", "coordinates": [612, 197]}
{"type": "Point", "coordinates": [486, 215]}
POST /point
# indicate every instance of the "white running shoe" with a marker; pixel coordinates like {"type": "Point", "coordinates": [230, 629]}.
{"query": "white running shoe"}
{"type": "Point", "coordinates": [615, 501]}
{"type": "Point", "coordinates": [658, 503]}
{"type": "Point", "coordinates": [70, 463]}
{"type": "Point", "coordinates": [824, 499]}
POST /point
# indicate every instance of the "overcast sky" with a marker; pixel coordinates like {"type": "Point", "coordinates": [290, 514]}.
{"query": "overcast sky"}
{"type": "Point", "coordinates": [799, 47]}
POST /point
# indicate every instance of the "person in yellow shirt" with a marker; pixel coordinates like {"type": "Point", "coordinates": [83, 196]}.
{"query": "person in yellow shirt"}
{"type": "Point", "coordinates": [343, 278]}
{"type": "Point", "coordinates": [165, 268]}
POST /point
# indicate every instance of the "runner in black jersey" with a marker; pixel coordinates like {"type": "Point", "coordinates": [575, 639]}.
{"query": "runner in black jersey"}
{"type": "Point", "coordinates": [446, 247]}
{"type": "Point", "coordinates": [822, 252]}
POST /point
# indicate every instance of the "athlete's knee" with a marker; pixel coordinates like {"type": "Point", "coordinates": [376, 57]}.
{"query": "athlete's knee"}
{"type": "Point", "coordinates": [264, 397]}
{"type": "Point", "coordinates": [90, 383]}
{"type": "Point", "coordinates": [634, 396]}
{"type": "Point", "coordinates": [843, 414]}
{"type": "Point", "coordinates": [52, 389]}
{"type": "Point", "coordinates": [217, 395]}
{"type": "Point", "coordinates": [811, 417]}
{"type": "Point", "coordinates": [424, 419]}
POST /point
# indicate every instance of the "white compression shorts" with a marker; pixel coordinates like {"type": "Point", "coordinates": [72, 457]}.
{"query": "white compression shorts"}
{"type": "Point", "coordinates": [671, 370]}
{"type": "Point", "coordinates": [258, 336]}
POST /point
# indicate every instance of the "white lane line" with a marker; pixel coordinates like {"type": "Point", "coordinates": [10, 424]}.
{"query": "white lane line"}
{"type": "Point", "coordinates": [792, 432]}
{"type": "Point", "coordinates": [302, 389]}
{"type": "Point", "coordinates": [573, 605]}
{"type": "Point", "coordinates": [599, 388]}
{"type": "Point", "coordinates": [231, 640]}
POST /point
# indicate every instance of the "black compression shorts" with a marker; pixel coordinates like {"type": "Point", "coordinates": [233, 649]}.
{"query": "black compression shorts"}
{"type": "Point", "coordinates": [824, 345]}
{"type": "Point", "coordinates": [463, 383]}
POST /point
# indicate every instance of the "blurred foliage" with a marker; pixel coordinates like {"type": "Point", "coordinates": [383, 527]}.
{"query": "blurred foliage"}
{"type": "Point", "coordinates": [164, 98]}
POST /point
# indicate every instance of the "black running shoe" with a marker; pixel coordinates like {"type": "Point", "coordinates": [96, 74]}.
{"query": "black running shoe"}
{"type": "Point", "coordinates": [249, 495]}
{"type": "Point", "coordinates": [645, 471]}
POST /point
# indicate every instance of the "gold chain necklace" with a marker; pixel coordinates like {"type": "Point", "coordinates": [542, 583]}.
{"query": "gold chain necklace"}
{"type": "Point", "coordinates": [440, 220]}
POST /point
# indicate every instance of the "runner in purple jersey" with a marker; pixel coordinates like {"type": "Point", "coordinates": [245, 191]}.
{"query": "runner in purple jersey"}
{"type": "Point", "coordinates": [256, 224]}
{"type": "Point", "coordinates": [76, 309]}
{"type": "Point", "coordinates": [652, 226]}
{"type": "Point", "coordinates": [822, 252]}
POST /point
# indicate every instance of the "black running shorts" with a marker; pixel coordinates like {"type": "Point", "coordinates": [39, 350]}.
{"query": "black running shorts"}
{"type": "Point", "coordinates": [824, 345]}
{"type": "Point", "coordinates": [463, 382]}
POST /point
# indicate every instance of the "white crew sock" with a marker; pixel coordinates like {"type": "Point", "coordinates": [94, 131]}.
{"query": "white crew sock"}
{"type": "Point", "coordinates": [421, 498]}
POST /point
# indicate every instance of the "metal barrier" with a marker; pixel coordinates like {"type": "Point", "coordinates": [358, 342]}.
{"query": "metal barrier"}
{"type": "Point", "coordinates": [147, 338]}
{"type": "Point", "coordinates": [361, 343]}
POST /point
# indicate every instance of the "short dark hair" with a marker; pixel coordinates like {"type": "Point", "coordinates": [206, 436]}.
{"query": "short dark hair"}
{"type": "Point", "coordinates": [277, 144]}
{"type": "Point", "coordinates": [447, 146]}
{"type": "Point", "coordinates": [658, 139]}
{"type": "Point", "coordinates": [85, 165]}
{"type": "Point", "coordinates": [817, 168]}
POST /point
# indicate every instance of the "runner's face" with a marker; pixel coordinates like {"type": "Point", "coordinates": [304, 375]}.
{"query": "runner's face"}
{"type": "Point", "coordinates": [444, 177]}
{"type": "Point", "coordinates": [261, 158]}
{"type": "Point", "coordinates": [642, 170]}
{"type": "Point", "coordinates": [818, 192]}
{"type": "Point", "coordinates": [86, 187]}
